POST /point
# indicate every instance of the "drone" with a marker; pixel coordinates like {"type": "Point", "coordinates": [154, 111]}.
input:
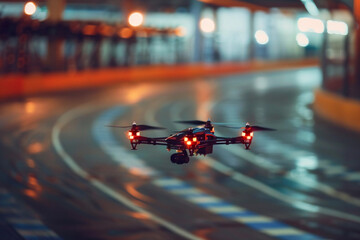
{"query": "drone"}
{"type": "Point", "coordinates": [191, 141]}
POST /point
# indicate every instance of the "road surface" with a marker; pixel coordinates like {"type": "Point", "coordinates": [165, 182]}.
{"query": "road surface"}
{"type": "Point", "coordinates": [82, 181]}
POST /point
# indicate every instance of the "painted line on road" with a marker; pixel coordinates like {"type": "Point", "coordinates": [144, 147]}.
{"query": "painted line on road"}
{"type": "Point", "coordinates": [223, 208]}
{"type": "Point", "coordinates": [23, 220]}
{"type": "Point", "coordinates": [218, 206]}
{"type": "Point", "coordinates": [321, 187]}
{"type": "Point", "coordinates": [69, 161]}
{"type": "Point", "coordinates": [239, 177]}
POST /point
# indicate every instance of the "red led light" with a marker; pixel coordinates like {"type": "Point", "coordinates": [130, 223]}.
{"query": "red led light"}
{"type": "Point", "coordinates": [248, 137]}
{"type": "Point", "coordinates": [188, 143]}
{"type": "Point", "coordinates": [131, 137]}
{"type": "Point", "coordinates": [252, 134]}
{"type": "Point", "coordinates": [194, 139]}
{"type": "Point", "coordinates": [186, 139]}
{"type": "Point", "coordinates": [130, 133]}
{"type": "Point", "coordinates": [138, 134]}
{"type": "Point", "coordinates": [243, 134]}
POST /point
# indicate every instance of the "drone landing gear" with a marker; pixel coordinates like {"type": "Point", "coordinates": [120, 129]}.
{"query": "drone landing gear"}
{"type": "Point", "coordinates": [247, 146]}
{"type": "Point", "coordinates": [180, 158]}
{"type": "Point", "coordinates": [133, 145]}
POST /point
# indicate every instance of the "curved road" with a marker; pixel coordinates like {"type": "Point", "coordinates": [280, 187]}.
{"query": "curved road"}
{"type": "Point", "coordinates": [83, 181]}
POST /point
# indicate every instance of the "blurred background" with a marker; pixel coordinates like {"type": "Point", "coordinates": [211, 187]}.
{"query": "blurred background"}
{"type": "Point", "coordinates": [70, 67]}
{"type": "Point", "coordinates": [48, 36]}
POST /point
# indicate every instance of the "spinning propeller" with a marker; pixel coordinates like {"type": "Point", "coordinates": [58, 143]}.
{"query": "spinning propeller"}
{"type": "Point", "coordinates": [199, 122]}
{"type": "Point", "coordinates": [248, 126]}
{"type": "Point", "coordinates": [136, 127]}
{"type": "Point", "coordinates": [252, 128]}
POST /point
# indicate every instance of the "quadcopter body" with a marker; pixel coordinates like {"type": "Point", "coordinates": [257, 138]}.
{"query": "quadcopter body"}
{"type": "Point", "coordinates": [191, 141]}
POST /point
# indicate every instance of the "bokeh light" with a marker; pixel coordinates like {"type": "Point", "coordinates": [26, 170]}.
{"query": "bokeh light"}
{"type": "Point", "coordinates": [302, 40]}
{"type": "Point", "coordinates": [29, 8]}
{"type": "Point", "coordinates": [126, 32]}
{"type": "Point", "coordinates": [310, 25]}
{"type": "Point", "coordinates": [136, 19]}
{"type": "Point", "coordinates": [261, 37]}
{"type": "Point", "coordinates": [337, 27]}
{"type": "Point", "coordinates": [180, 31]}
{"type": "Point", "coordinates": [207, 25]}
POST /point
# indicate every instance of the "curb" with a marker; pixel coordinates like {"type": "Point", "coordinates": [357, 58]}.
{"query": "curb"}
{"type": "Point", "coordinates": [337, 109]}
{"type": "Point", "coordinates": [22, 85]}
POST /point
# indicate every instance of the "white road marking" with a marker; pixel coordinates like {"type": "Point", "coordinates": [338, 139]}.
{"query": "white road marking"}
{"type": "Point", "coordinates": [248, 156]}
{"type": "Point", "coordinates": [206, 199]}
{"type": "Point", "coordinates": [226, 209]}
{"type": "Point", "coordinates": [22, 220]}
{"type": "Point", "coordinates": [283, 231]}
{"type": "Point", "coordinates": [72, 115]}
{"type": "Point", "coordinates": [353, 176]}
{"type": "Point", "coordinates": [200, 198]}
{"type": "Point", "coordinates": [253, 219]}
{"type": "Point", "coordinates": [36, 234]}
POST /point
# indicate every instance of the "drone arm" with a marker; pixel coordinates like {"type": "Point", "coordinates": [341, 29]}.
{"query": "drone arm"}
{"type": "Point", "coordinates": [151, 141]}
{"type": "Point", "coordinates": [224, 140]}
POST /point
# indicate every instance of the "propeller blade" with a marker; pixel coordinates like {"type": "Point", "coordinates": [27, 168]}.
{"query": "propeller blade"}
{"type": "Point", "coordinates": [147, 127]}
{"type": "Point", "coordinates": [259, 128]}
{"type": "Point", "coordinates": [138, 127]}
{"type": "Point", "coordinates": [193, 122]}
{"type": "Point", "coordinates": [199, 122]}
{"type": "Point", "coordinates": [117, 126]}
{"type": "Point", "coordinates": [253, 128]}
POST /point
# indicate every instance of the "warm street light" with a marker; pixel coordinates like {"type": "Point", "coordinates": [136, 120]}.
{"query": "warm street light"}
{"type": "Point", "coordinates": [136, 19]}
{"type": "Point", "coordinates": [261, 37]}
{"type": "Point", "coordinates": [29, 8]}
{"type": "Point", "coordinates": [207, 25]}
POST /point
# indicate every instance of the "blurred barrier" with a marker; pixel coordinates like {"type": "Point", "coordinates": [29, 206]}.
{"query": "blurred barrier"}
{"type": "Point", "coordinates": [18, 85]}
{"type": "Point", "coordinates": [28, 45]}
{"type": "Point", "coordinates": [337, 109]}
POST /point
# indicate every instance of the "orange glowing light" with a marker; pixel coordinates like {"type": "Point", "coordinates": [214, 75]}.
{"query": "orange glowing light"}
{"type": "Point", "coordinates": [243, 134]}
{"type": "Point", "coordinates": [248, 137]}
{"type": "Point", "coordinates": [138, 134]}
{"type": "Point", "coordinates": [30, 8]}
{"type": "Point", "coordinates": [136, 19]}
{"type": "Point", "coordinates": [140, 215]}
{"type": "Point", "coordinates": [30, 163]}
{"type": "Point", "coordinates": [136, 171]}
{"type": "Point", "coordinates": [180, 31]}
{"type": "Point", "coordinates": [125, 33]}
{"type": "Point", "coordinates": [186, 139]}
{"type": "Point", "coordinates": [30, 193]}
{"type": "Point", "coordinates": [89, 29]}
{"type": "Point", "coordinates": [252, 134]}
{"type": "Point", "coordinates": [132, 189]}
{"type": "Point", "coordinates": [130, 133]}
{"type": "Point", "coordinates": [29, 107]}
{"type": "Point", "coordinates": [207, 25]}
{"type": "Point", "coordinates": [107, 30]}
{"type": "Point", "coordinates": [35, 148]}
{"type": "Point", "coordinates": [131, 137]}
{"type": "Point", "coordinates": [188, 143]}
{"type": "Point", "coordinates": [194, 139]}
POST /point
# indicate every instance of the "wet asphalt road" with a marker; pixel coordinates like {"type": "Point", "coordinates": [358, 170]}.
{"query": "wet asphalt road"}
{"type": "Point", "coordinates": [83, 181]}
